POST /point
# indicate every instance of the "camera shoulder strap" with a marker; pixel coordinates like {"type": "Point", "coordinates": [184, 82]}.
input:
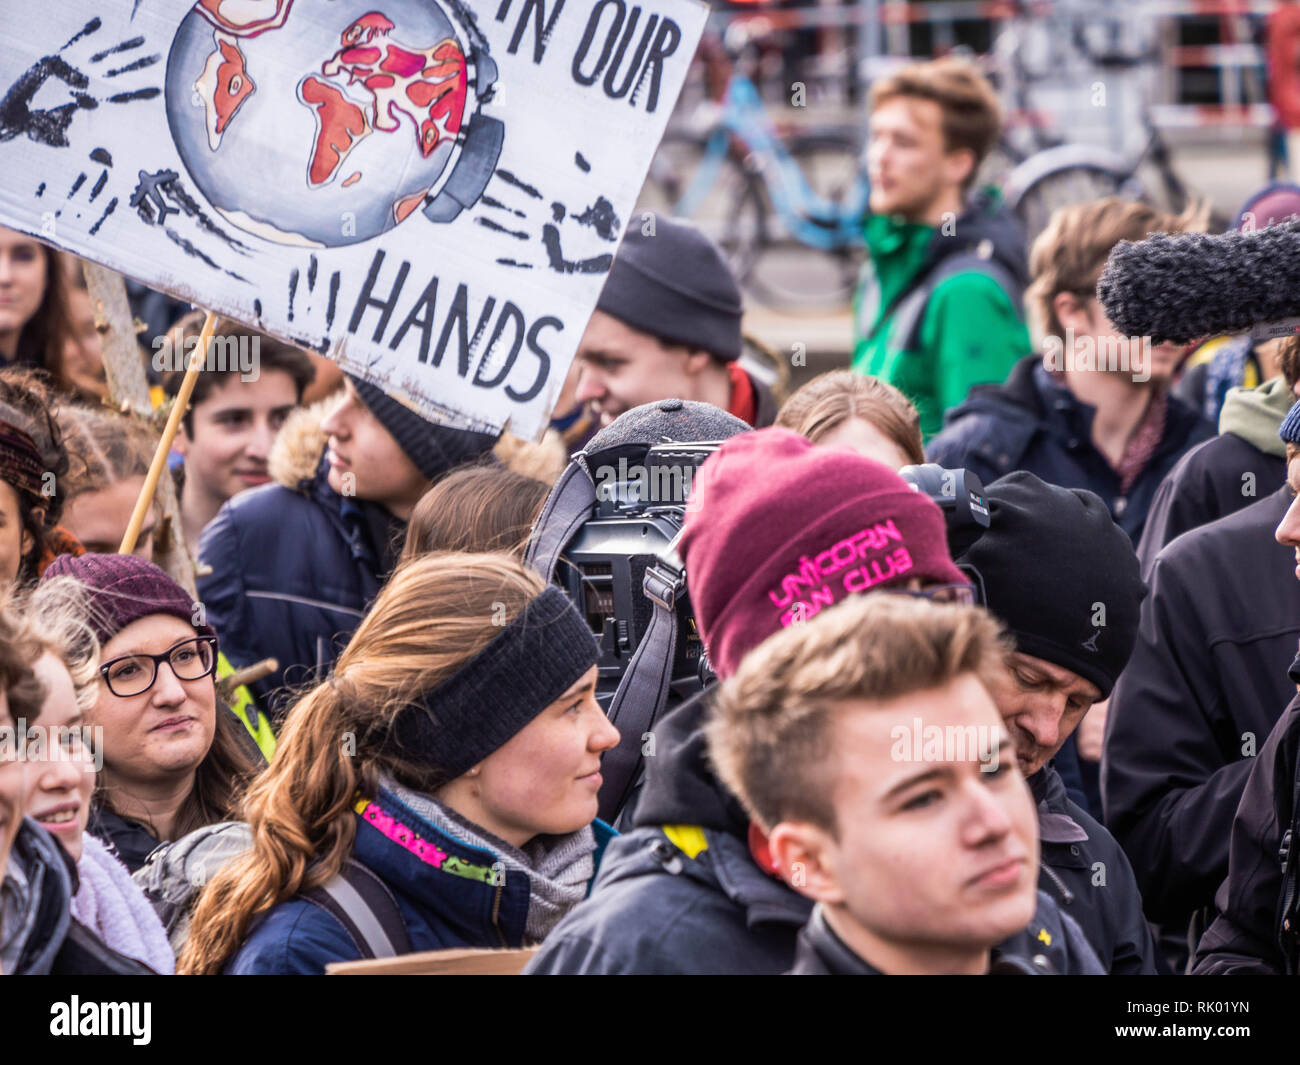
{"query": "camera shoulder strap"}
{"type": "Point", "coordinates": [643, 691]}
{"type": "Point", "coordinates": [565, 511]}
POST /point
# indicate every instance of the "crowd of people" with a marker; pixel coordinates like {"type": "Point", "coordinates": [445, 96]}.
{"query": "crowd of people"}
{"type": "Point", "coordinates": [1040, 719]}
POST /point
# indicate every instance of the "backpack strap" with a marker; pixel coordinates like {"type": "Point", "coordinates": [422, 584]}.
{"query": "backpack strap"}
{"type": "Point", "coordinates": [363, 905]}
{"type": "Point", "coordinates": [910, 313]}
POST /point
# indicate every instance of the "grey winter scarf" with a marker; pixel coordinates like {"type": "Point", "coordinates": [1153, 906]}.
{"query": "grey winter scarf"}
{"type": "Point", "coordinates": [17, 915]}
{"type": "Point", "coordinates": [558, 867]}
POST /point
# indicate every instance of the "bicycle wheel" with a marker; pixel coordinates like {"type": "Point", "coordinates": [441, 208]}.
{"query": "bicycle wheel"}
{"type": "Point", "coordinates": [784, 272]}
{"type": "Point", "coordinates": [689, 179]}
{"type": "Point", "coordinates": [1069, 185]}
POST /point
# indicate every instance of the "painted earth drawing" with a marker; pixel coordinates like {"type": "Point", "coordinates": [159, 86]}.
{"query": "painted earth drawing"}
{"type": "Point", "coordinates": [363, 112]}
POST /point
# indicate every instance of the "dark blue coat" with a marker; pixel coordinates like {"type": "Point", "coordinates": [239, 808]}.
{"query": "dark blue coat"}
{"type": "Point", "coordinates": [460, 902]}
{"type": "Point", "coordinates": [1034, 423]}
{"type": "Point", "coordinates": [293, 571]}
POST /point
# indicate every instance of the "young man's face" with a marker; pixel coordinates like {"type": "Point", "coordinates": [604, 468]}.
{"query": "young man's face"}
{"type": "Point", "coordinates": [1288, 529]}
{"type": "Point", "coordinates": [933, 855]}
{"type": "Point", "coordinates": [1146, 365]}
{"type": "Point", "coordinates": [621, 368]}
{"type": "Point", "coordinates": [1041, 705]}
{"type": "Point", "coordinates": [908, 163]}
{"type": "Point", "coordinates": [366, 462]}
{"type": "Point", "coordinates": [233, 430]}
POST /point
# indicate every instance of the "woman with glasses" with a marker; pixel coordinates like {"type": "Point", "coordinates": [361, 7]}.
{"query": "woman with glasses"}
{"type": "Point", "coordinates": [173, 759]}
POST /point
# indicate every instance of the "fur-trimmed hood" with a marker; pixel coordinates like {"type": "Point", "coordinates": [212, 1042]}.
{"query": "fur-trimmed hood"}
{"type": "Point", "coordinates": [295, 456]}
{"type": "Point", "coordinates": [297, 452]}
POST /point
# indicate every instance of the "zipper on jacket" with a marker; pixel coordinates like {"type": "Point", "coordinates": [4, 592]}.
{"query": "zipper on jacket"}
{"type": "Point", "coordinates": [1067, 896]}
{"type": "Point", "coordinates": [496, 913]}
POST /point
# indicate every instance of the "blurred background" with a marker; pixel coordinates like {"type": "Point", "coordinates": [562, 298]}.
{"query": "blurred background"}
{"type": "Point", "coordinates": [1162, 100]}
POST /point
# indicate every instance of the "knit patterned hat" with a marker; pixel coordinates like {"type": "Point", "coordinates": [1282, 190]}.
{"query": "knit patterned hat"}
{"type": "Point", "coordinates": [1289, 430]}
{"type": "Point", "coordinates": [434, 449]}
{"type": "Point", "coordinates": [122, 589]}
{"type": "Point", "coordinates": [777, 529]}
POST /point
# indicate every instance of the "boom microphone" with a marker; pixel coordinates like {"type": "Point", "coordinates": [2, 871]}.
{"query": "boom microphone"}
{"type": "Point", "coordinates": [1191, 285]}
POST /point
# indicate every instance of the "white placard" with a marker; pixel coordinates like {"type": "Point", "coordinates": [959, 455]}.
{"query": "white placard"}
{"type": "Point", "coordinates": [429, 192]}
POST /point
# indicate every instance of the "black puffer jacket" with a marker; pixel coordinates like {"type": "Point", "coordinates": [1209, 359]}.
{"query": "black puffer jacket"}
{"type": "Point", "coordinates": [1034, 423]}
{"type": "Point", "coordinates": [1206, 683]}
{"type": "Point", "coordinates": [54, 942]}
{"type": "Point", "coordinates": [686, 900]}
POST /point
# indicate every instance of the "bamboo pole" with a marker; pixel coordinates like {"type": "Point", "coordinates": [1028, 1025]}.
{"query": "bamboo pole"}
{"type": "Point", "coordinates": [197, 360]}
{"type": "Point", "coordinates": [129, 393]}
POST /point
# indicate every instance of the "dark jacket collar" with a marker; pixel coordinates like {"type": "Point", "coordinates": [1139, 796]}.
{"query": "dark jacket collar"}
{"type": "Point", "coordinates": [1055, 823]}
{"type": "Point", "coordinates": [371, 532]}
{"type": "Point", "coordinates": [127, 838]}
{"type": "Point", "coordinates": [1033, 397]}
{"type": "Point", "coordinates": [455, 884]}
{"type": "Point", "coordinates": [820, 952]}
{"type": "Point", "coordinates": [52, 881]}
{"type": "Point", "coordinates": [680, 786]}
{"type": "Point", "coordinates": [764, 898]}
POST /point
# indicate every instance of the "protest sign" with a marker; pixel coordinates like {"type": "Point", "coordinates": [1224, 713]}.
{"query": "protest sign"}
{"type": "Point", "coordinates": [429, 192]}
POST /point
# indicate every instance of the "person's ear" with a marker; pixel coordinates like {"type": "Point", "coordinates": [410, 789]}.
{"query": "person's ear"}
{"type": "Point", "coordinates": [804, 855]}
{"type": "Point", "coordinates": [697, 361]}
{"type": "Point", "coordinates": [181, 442]}
{"type": "Point", "coordinates": [26, 544]}
{"type": "Point", "coordinates": [959, 165]}
{"type": "Point", "coordinates": [1072, 312]}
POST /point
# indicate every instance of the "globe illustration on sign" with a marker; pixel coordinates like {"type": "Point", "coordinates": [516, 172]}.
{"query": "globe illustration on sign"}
{"type": "Point", "coordinates": [322, 125]}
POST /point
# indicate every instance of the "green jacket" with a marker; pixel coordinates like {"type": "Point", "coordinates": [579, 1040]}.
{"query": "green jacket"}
{"type": "Point", "coordinates": [968, 332]}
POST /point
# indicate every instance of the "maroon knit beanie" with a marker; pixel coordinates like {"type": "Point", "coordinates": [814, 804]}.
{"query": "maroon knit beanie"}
{"type": "Point", "coordinates": [778, 528]}
{"type": "Point", "coordinates": [123, 589]}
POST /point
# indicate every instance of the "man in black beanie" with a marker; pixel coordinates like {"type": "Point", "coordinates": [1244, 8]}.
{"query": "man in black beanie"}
{"type": "Point", "coordinates": [667, 326]}
{"type": "Point", "coordinates": [294, 564]}
{"type": "Point", "coordinates": [1062, 577]}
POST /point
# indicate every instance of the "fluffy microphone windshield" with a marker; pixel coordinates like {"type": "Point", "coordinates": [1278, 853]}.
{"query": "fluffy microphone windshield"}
{"type": "Point", "coordinates": [1195, 285]}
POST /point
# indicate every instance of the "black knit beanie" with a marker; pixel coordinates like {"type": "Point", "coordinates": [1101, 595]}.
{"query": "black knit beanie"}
{"type": "Point", "coordinates": [434, 449]}
{"type": "Point", "coordinates": [670, 280]}
{"type": "Point", "coordinates": [534, 660]}
{"type": "Point", "coordinates": [1058, 572]}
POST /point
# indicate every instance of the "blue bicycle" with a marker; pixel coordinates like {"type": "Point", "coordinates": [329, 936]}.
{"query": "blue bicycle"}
{"type": "Point", "coordinates": [786, 208]}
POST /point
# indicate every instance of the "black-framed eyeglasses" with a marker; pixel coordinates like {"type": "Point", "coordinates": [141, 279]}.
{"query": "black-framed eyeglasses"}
{"type": "Point", "coordinates": [191, 659]}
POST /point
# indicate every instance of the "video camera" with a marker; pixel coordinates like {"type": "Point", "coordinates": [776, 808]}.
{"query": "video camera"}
{"type": "Point", "coordinates": [638, 516]}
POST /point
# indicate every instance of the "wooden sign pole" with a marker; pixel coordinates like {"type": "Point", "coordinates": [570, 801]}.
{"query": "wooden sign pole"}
{"type": "Point", "coordinates": [197, 359]}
